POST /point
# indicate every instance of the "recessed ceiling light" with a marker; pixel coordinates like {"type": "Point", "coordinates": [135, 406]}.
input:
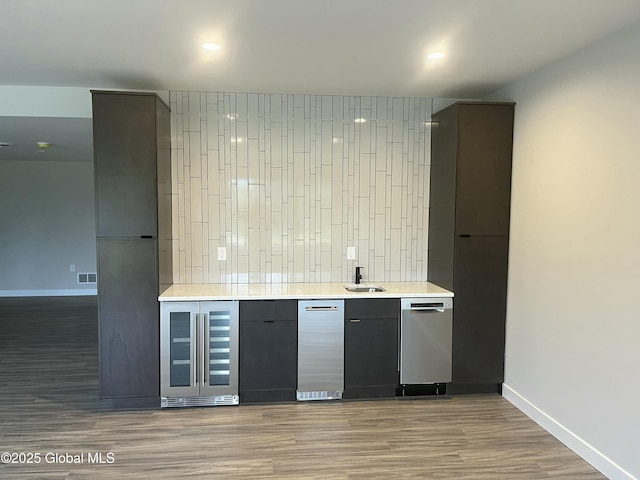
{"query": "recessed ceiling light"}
{"type": "Point", "coordinates": [360, 120]}
{"type": "Point", "coordinates": [211, 46]}
{"type": "Point", "coordinates": [436, 55]}
{"type": "Point", "coordinates": [42, 146]}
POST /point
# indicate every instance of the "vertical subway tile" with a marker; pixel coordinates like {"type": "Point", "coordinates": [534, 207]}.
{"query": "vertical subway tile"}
{"type": "Point", "coordinates": [365, 169]}
{"type": "Point", "coordinates": [196, 245]}
{"type": "Point", "coordinates": [396, 210]}
{"type": "Point", "coordinates": [325, 230]}
{"type": "Point", "coordinates": [298, 218]}
{"type": "Point", "coordinates": [298, 261]}
{"type": "Point", "coordinates": [397, 119]}
{"type": "Point", "coordinates": [253, 250]}
{"type": "Point", "coordinates": [395, 246]}
{"type": "Point", "coordinates": [381, 201]}
{"type": "Point", "coordinates": [240, 141]}
{"type": "Point", "coordinates": [380, 234]}
{"type": "Point", "coordinates": [182, 274]}
{"type": "Point", "coordinates": [263, 175]}
{"type": "Point", "coordinates": [327, 108]}
{"type": "Point", "coordinates": [214, 217]}
{"type": "Point", "coordinates": [195, 155]}
{"type": "Point", "coordinates": [275, 139]}
{"type": "Point", "coordinates": [204, 174]}
{"type": "Point", "coordinates": [337, 116]}
{"type": "Point", "coordinates": [277, 230]}
{"type": "Point", "coordinates": [254, 207]}
{"type": "Point", "coordinates": [336, 246]}
{"type": "Point", "coordinates": [196, 199]}
{"type": "Point", "coordinates": [325, 193]}
{"type": "Point", "coordinates": [298, 172]}
{"type": "Point", "coordinates": [252, 116]}
{"type": "Point", "coordinates": [213, 173]}
{"type": "Point", "coordinates": [212, 126]}
{"type": "Point", "coordinates": [241, 110]}
{"type": "Point", "coordinates": [299, 125]}
{"type": "Point", "coordinates": [337, 199]}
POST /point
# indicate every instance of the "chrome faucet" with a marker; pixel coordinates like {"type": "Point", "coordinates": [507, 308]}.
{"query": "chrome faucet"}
{"type": "Point", "coordinates": [358, 275]}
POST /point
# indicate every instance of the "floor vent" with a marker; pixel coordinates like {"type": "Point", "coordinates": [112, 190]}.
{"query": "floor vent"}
{"type": "Point", "coordinates": [87, 278]}
{"type": "Point", "coordinates": [199, 401]}
{"type": "Point", "coordinates": [324, 395]}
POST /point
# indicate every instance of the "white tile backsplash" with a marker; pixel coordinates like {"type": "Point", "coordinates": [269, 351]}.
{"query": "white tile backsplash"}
{"type": "Point", "coordinates": [287, 182]}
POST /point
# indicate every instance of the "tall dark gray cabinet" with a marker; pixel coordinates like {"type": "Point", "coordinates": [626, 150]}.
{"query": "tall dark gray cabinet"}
{"type": "Point", "coordinates": [132, 162]}
{"type": "Point", "coordinates": [469, 206]}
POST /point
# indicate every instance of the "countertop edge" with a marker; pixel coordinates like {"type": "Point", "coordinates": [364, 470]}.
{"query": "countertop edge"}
{"type": "Point", "coordinates": [299, 291]}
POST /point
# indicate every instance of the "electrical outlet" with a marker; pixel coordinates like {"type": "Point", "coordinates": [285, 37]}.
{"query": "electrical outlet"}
{"type": "Point", "coordinates": [72, 268]}
{"type": "Point", "coordinates": [222, 253]}
{"type": "Point", "coordinates": [351, 253]}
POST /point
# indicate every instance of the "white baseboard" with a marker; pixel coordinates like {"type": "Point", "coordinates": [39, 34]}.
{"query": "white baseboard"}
{"type": "Point", "coordinates": [49, 293]}
{"type": "Point", "coordinates": [601, 462]}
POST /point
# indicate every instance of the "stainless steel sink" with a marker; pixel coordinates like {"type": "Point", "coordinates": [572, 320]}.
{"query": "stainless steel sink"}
{"type": "Point", "coordinates": [363, 288]}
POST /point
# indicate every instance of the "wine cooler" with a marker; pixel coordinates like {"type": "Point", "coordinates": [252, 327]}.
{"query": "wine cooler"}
{"type": "Point", "coordinates": [199, 354]}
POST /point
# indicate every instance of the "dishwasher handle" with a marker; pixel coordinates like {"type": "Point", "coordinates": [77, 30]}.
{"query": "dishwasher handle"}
{"type": "Point", "coordinates": [427, 307]}
{"type": "Point", "coordinates": [321, 308]}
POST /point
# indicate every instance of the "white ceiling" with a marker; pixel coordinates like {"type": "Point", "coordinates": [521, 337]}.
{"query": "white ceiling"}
{"type": "Point", "coordinates": [344, 47]}
{"type": "Point", "coordinates": [351, 47]}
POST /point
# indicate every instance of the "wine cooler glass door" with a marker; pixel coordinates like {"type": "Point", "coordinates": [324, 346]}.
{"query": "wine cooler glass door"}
{"type": "Point", "coordinates": [219, 348]}
{"type": "Point", "coordinates": [178, 350]}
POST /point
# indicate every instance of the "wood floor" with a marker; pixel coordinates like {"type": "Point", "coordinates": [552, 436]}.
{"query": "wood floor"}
{"type": "Point", "coordinates": [49, 405]}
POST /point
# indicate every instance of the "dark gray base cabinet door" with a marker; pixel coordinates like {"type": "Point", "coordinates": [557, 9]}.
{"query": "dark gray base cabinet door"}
{"type": "Point", "coordinates": [128, 313]}
{"type": "Point", "coordinates": [371, 348]}
{"type": "Point", "coordinates": [480, 310]}
{"type": "Point", "coordinates": [268, 350]}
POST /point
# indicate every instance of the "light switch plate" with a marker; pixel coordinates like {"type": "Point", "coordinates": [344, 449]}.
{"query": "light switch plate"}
{"type": "Point", "coordinates": [351, 253]}
{"type": "Point", "coordinates": [222, 253]}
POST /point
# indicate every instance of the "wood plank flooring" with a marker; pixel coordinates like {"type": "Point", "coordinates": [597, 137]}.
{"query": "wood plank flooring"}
{"type": "Point", "coordinates": [49, 404]}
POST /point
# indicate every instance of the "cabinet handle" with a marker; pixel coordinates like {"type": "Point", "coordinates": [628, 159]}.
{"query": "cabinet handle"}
{"type": "Point", "coordinates": [269, 321]}
{"type": "Point", "coordinates": [355, 320]}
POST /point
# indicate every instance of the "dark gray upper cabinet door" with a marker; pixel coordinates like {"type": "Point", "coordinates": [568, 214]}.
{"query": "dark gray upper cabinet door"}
{"type": "Point", "coordinates": [125, 152]}
{"type": "Point", "coordinates": [483, 194]}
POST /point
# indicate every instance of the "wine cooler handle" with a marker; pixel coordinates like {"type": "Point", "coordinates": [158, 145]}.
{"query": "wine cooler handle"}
{"type": "Point", "coordinates": [195, 348]}
{"type": "Point", "coordinates": [206, 365]}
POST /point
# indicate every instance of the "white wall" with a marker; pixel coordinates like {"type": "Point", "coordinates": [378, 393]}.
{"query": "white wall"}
{"type": "Point", "coordinates": [16, 101]}
{"type": "Point", "coordinates": [573, 321]}
{"type": "Point", "coordinates": [72, 102]}
{"type": "Point", "coordinates": [46, 209]}
{"type": "Point", "coordinates": [47, 218]}
{"type": "Point", "coordinates": [47, 212]}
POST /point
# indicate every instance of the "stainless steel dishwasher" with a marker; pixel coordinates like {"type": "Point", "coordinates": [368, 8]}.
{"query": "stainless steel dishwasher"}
{"type": "Point", "coordinates": [426, 332]}
{"type": "Point", "coordinates": [320, 349]}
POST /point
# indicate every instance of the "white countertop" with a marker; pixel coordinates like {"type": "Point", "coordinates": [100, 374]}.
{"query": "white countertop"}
{"type": "Point", "coordinates": [261, 291]}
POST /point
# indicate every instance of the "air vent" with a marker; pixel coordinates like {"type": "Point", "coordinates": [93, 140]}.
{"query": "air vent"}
{"type": "Point", "coordinates": [305, 396]}
{"type": "Point", "coordinates": [199, 401]}
{"type": "Point", "coordinates": [87, 278]}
